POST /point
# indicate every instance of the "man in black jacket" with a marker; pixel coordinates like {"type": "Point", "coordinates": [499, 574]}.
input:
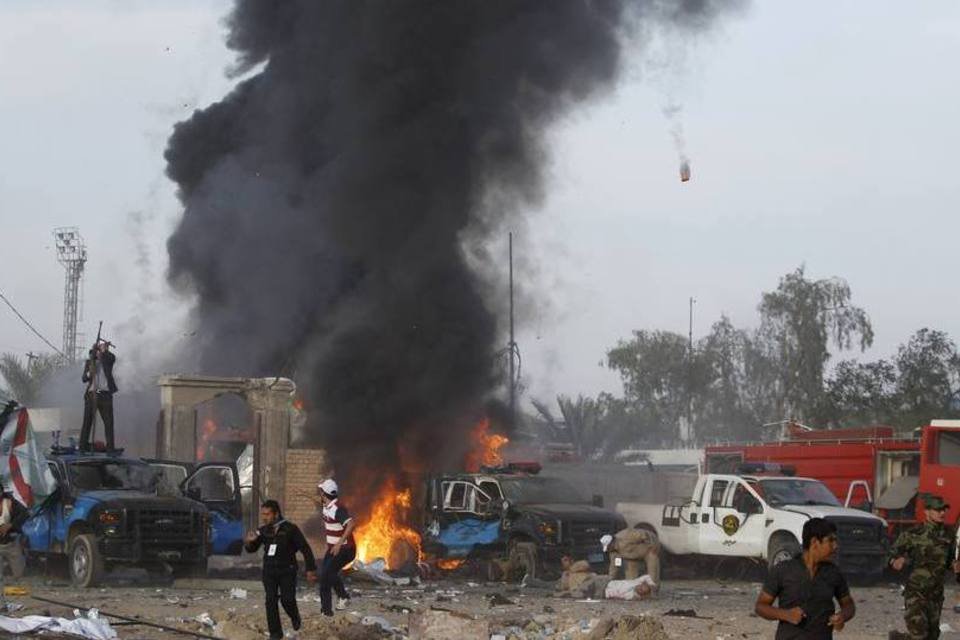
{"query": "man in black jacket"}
{"type": "Point", "coordinates": [98, 374]}
{"type": "Point", "coordinates": [281, 540]}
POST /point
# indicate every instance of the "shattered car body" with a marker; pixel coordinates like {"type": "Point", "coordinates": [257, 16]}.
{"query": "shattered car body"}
{"type": "Point", "coordinates": [529, 520]}
{"type": "Point", "coordinates": [111, 511]}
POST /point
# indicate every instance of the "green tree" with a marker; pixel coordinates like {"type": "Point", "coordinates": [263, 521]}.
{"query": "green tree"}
{"type": "Point", "coordinates": [860, 393]}
{"type": "Point", "coordinates": [798, 322]}
{"type": "Point", "coordinates": [722, 409]}
{"type": "Point", "coordinates": [660, 379]}
{"type": "Point", "coordinates": [928, 381]}
{"type": "Point", "coordinates": [24, 381]}
{"type": "Point", "coordinates": [580, 424]}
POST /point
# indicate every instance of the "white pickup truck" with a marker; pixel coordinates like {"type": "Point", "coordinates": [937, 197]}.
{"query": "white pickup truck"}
{"type": "Point", "coordinates": [762, 518]}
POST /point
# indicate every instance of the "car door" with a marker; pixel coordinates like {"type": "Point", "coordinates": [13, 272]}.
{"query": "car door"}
{"type": "Point", "coordinates": [464, 517]}
{"type": "Point", "coordinates": [217, 485]}
{"type": "Point", "coordinates": [734, 523]}
{"type": "Point", "coordinates": [38, 529]}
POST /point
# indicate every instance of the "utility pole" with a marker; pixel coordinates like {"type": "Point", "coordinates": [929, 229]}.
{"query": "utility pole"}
{"type": "Point", "coordinates": [690, 373]}
{"type": "Point", "coordinates": [72, 254]}
{"type": "Point", "coordinates": [512, 346]}
{"type": "Point", "coordinates": [30, 358]}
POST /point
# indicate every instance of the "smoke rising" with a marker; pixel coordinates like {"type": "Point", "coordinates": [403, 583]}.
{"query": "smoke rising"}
{"type": "Point", "coordinates": [330, 198]}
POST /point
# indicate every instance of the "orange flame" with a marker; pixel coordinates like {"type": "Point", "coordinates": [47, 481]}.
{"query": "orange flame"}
{"type": "Point", "coordinates": [378, 536]}
{"type": "Point", "coordinates": [484, 448]}
{"type": "Point", "coordinates": [450, 564]}
{"type": "Point", "coordinates": [209, 428]}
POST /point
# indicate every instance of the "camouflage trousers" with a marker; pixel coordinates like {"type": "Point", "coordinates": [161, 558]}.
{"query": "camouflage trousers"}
{"type": "Point", "coordinates": [922, 614]}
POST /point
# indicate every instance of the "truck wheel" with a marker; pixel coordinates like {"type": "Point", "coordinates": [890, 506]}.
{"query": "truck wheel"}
{"type": "Point", "coordinates": [195, 570]}
{"type": "Point", "coordinates": [85, 561]}
{"type": "Point", "coordinates": [782, 548]}
{"type": "Point", "coordinates": [525, 558]}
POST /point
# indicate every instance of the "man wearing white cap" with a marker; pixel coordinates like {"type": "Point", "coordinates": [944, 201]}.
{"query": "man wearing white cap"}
{"type": "Point", "coordinates": [340, 548]}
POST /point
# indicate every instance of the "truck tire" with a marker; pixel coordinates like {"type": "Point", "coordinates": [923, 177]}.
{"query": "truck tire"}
{"type": "Point", "coordinates": [84, 561]}
{"type": "Point", "coordinates": [781, 549]}
{"type": "Point", "coordinates": [525, 558]}
{"type": "Point", "coordinates": [196, 569]}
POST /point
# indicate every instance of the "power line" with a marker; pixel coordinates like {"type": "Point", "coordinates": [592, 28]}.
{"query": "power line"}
{"type": "Point", "coordinates": [27, 322]}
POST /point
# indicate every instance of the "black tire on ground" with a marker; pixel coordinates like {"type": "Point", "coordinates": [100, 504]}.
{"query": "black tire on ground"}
{"type": "Point", "coordinates": [781, 549]}
{"type": "Point", "coordinates": [525, 557]}
{"type": "Point", "coordinates": [84, 561]}
{"type": "Point", "coordinates": [197, 569]}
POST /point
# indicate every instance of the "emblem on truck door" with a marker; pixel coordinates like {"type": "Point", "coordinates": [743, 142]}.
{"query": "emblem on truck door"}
{"type": "Point", "coordinates": [730, 524]}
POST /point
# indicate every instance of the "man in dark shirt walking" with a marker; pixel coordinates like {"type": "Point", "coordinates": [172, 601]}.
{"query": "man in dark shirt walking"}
{"type": "Point", "coordinates": [806, 587]}
{"type": "Point", "coordinates": [281, 540]}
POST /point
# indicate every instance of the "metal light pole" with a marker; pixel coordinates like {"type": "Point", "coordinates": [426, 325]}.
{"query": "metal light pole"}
{"type": "Point", "coordinates": [512, 346]}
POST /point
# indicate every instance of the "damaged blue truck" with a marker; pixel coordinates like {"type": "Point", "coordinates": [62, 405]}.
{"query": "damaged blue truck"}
{"type": "Point", "coordinates": [515, 514]}
{"type": "Point", "coordinates": [111, 511]}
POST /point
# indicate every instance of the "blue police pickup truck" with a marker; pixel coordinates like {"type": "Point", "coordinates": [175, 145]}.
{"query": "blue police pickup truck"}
{"type": "Point", "coordinates": [157, 514]}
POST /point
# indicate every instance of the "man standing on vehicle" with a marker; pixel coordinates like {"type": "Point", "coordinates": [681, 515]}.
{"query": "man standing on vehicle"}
{"type": "Point", "coordinates": [806, 587]}
{"type": "Point", "coordinates": [98, 397]}
{"type": "Point", "coordinates": [281, 540]}
{"type": "Point", "coordinates": [929, 549]}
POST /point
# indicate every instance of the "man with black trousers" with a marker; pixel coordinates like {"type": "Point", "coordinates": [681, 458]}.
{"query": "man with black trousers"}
{"type": "Point", "coordinates": [98, 374]}
{"type": "Point", "coordinates": [281, 540]}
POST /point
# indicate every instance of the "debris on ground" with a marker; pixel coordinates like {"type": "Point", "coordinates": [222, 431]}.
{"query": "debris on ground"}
{"type": "Point", "coordinates": [497, 599]}
{"type": "Point", "coordinates": [440, 624]}
{"type": "Point", "coordinates": [90, 627]}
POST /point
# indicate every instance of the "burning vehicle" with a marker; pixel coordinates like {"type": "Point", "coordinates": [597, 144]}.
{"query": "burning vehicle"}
{"type": "Point", "coordinates": [512, 512]}
{"type": "Point", "coordinates": [110, 511]}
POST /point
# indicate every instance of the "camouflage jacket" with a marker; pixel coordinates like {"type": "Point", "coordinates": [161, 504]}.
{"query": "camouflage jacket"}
{"type": "Point", "coordinates": [929, 550]}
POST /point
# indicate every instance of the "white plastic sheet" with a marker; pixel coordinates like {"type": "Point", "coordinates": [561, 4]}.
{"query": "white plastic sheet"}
{"type": "Point", "coordinates": [93, 628]}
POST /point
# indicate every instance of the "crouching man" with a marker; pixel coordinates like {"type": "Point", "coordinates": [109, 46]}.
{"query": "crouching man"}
{"type": "Point", "coordinates": [806, 587]}
{"type": "Point", "coordinates": [281, 540]}
{"type": "Point", "coordinates": [632, 550]}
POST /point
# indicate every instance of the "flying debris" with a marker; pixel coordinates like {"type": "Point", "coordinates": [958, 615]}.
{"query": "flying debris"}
{"type": "Point", "coordinates": [684, 171]}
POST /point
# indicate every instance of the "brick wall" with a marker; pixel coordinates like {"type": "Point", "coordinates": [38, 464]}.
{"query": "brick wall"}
{"type": "Point", "coordinates": [304, 468]}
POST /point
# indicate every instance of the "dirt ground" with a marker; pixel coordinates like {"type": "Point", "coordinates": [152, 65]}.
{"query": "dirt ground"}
{"type": "Point", "coordinates": [723, 609]}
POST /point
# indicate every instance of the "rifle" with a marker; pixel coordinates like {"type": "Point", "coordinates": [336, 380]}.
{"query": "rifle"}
{"type": "Point", "coordinates": [92, 363]}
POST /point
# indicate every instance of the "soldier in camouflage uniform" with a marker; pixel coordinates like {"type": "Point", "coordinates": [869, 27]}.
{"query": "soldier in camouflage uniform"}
{"type": "Point", "coordinates": [929, 548]}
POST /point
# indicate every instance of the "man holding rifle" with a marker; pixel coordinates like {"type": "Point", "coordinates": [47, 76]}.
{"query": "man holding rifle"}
{"type": "Point", "coordinates": [98, 397]}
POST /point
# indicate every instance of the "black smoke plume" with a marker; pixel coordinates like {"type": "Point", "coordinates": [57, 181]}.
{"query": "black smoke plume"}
{"type": "Point", "coordinates": [337, 201]}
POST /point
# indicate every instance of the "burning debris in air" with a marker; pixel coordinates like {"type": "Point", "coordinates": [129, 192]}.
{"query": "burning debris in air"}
{"type": "Point", "coordinates": [484, 448]}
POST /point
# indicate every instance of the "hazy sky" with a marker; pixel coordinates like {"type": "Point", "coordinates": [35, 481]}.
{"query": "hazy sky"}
{"type": "Point", "coordinates": [821, 133]}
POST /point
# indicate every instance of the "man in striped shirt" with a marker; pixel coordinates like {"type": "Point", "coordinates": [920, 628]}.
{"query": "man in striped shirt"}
{"type": "Point", "coordinates": [340, 548]}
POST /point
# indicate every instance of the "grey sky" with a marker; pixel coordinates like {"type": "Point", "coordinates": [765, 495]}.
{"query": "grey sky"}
{"type": "Point", "coordinates": [819, 133]}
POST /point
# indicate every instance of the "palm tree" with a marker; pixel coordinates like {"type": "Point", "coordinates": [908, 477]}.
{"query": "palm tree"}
{"type": "Point", "coordinates": [24, 381]}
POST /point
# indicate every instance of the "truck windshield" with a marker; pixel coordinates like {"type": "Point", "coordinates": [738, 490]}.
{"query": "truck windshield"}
{"type": "Point", "coordinates": [528, 490]}
{"type": "Point", "coordinates": [97, 475]}
{"type": "Point", "coordinates": [782, 491]}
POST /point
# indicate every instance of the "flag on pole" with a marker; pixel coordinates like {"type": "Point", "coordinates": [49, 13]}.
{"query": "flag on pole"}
{"type": "Point", "coordinates": [23, 467]}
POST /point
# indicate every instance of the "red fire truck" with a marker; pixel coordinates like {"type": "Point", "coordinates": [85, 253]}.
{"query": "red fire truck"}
{"type": "Point", "coordinates": [871, 468]}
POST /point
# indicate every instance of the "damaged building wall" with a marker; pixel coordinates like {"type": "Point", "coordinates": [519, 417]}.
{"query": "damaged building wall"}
{"type": "Point", "coordinates": [270, 402]}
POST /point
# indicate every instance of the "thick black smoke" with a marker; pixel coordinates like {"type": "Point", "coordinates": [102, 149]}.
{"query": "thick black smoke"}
{"type": "Point", "coordinates": [330, 197]}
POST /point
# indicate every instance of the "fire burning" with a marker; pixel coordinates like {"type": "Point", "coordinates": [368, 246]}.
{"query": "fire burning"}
{"type": "Point", "coordinates": [485, 448]}
{"type": "Point", "coordinates": [384, 531]}
{"type": "Point", "coordinates": [206, 433]}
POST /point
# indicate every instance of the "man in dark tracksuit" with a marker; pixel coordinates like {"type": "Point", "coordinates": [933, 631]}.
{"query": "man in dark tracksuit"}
{"type": "Point", "coordinates": [281, 540]}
